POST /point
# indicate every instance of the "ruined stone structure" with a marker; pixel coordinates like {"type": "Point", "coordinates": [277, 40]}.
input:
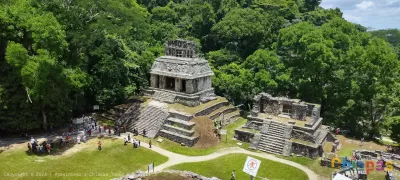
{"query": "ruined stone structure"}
{"type": "Point", "coordinates": [180, 76]}
{"type": "Point", "coordinates": [284, 126]}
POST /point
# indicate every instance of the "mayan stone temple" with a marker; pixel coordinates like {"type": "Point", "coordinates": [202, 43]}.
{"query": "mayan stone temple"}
{"type": "Point", "coordinates": [180, 90]}
{"type": "Point", "coordinates": [283, 126]}
{"type": "Point", "coordinates": [179, 76]}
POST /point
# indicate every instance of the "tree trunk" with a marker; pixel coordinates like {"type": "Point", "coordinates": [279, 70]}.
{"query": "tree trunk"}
{"type": "Point", "coordinates": [44, 119]}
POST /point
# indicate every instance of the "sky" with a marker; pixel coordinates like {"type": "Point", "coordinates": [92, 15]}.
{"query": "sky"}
{"type": "Point", "coordinates": [375, 14]}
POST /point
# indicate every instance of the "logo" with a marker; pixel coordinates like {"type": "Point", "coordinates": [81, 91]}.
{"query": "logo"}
{"type": "Point", "coordinates": [368, 165]}
{"type": "Point", "coordinates": [252, 164]}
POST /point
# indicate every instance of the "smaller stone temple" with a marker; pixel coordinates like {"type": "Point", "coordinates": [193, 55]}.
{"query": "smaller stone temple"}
{"type": "Point", "coordinates": [180, 76]}
{"type": "Point", "coordinates": [283, 126]}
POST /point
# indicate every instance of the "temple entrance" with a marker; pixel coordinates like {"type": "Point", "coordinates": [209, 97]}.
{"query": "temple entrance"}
{"type": "Point", "coordinates": [170, 83]}
{"type": "Point", "coordinates": [183, 85]}
{"type": "Point", "coordinates": [157, 81]}
{"type": "Point", "coordinates": [262, 107]}
{"type": "Point", "coordinates": [287, 109]}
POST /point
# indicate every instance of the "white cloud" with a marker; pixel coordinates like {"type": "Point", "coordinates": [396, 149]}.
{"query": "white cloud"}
{"type": "Point", "coordinates": [365, 5]}
{"type": "Point", "coordinates": [352, 18]}
{"type": "Point", "coordinates": [378, 14]}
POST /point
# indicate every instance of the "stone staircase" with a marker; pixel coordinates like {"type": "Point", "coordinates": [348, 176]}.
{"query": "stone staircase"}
{"type": "Point", "coordinates": [273, 137]}
{"type": "Point", "coordinates": [130, 115]}
{"type": "Point", "coordinates": [163, 96]}
{"type": "Point", "coordinates": [178, 128]}
{"type": "Point", "coordinates": [150, 118]}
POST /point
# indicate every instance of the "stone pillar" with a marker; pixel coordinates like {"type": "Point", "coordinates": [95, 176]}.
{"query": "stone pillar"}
{"type": "Point", "coordinates": [208, 82]}
{"type": "Point", "coordinates": [163, 83]}
{"type": "Point", "coordinates": [153, 81]}
{"type": "Point", "coordinates": [189, 86]}
{"type": "Point", "coordinates": [178, 84]}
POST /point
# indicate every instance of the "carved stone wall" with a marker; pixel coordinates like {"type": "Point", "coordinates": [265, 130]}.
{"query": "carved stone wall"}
{"type": "Point", "coordinates": [178, 138]}
{"type": "Point", "coordinates": [315, 113]}
{"type": "Point", "coordinates": [188, 101]}
{"type": "Point", "coordinates": [310, 109]}
{"type": "Point", "coordinates": [305, 150]}
{"type": "Point", "coordinates": [189, 86]}
{"type": "Point", "coordinates": [243, 135]}
{"type": "Point", "coordinates": [210, 109]}
{"type": "Point", "coordinates": [305, 136]}
{"type": "Point", "coordinates": [299, 111]}
{"type": "Point", "coordinates": [185, 117]}
{"type": "Point", "coordinates": [271, 106]}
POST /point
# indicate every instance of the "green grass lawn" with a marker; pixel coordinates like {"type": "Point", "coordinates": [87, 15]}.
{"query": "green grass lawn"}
{"type": "Point", "coordinates": [177, 148]}
{"type": "Point", "coordinates": [113, 161]}
{"type": "Point", "coordinates": [222, 167]}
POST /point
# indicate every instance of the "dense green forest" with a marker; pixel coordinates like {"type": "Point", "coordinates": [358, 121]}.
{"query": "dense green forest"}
{"type": "Point", "coordinates": [58, 58]}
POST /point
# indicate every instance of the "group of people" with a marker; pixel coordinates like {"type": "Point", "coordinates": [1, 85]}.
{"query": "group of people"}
{"type": "Point", "coordinates": [135, 142]}
{"type": "Point", "coordinates": [35, 147]}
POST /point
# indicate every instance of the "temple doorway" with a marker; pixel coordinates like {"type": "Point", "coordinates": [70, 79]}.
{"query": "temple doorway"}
{"type": "Point", "coordinates": [183, 85]}
{"type": "Point", "coordinates": [170, 83]}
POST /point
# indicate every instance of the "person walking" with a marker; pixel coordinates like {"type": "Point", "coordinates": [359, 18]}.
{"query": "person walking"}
{"type": "Point", "coordinates": [150, 143]}
{"type": "Point", "coordinates": [78, 140]}
{"type": "Point", "coordinates": [99, 146]}
{"type": "Point", "coordinates": [48, 148]}
{"type": "Point", "coordinates": [362, 141]}
{"type": "Point", "coordinates": [29, 147]}
{"type": "Point", "coordinates": [233, 175]}
{"type": "Point", "coordinates": [84, 139]}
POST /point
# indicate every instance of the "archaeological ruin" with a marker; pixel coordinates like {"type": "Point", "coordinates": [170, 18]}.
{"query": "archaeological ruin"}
{"type": "Point", "coordinates": [180, 90]}
{"type": "Point", "coordinates": [284, 126]}
{"type": "Point", "coordinates": [179, 76]}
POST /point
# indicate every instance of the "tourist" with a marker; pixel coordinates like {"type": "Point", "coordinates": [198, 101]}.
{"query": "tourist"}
{"type": "Point", "coordinates": [233, 175]}
{"type": "Point", "coordinates": [29, 147]}
{"type": "Point", "coordinates": [129, 137]}
{"type": "Point", "coordinates": [84, 138]}
{"type": "Point", "coordinates": [337, 131]}
{"type": "Point", "coordinates": [32, 140]}
{"type": "Point", "coordinates": [109, 131]}
{"type": "Point", "coordinates": [48, 148]}
{"type": "Point", "coordinates": [67, 140]}
{"type": "Point", "coordinates": [34, 147]}
{"type": "Point", "coordinates": [61, 142]}
{"type": "Point", "coordinates": [150, 143]}
{"type": "Point", "coordinates": [90, 132]}
{"type": "Point", "coordinates": [362, 141]}
{"type": "Point", "coordinates": [99, 146]}
{"type": "Point", "coordinates": [144, 132]}
{"type": "Point", "coordinates": [41, 149]}
{"type": "Point", "coordinates": [139, 143]}
{"type": "Point", "coordinates": [105, 128]}
{"type": "Point", "coordinates": [78, 140]}
{"type": "Point", "coordinates": [37, 149]}
{"type": "Point", "coordinates": [99, 129]}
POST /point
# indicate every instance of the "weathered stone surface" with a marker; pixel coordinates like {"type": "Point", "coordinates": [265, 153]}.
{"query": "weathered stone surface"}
{"type": "Point", "coordinates": [212, 108]}
{"type": "Point", "coordinates": [305, 150]}
{"type": "Point", "coordinates": [179, 138]}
